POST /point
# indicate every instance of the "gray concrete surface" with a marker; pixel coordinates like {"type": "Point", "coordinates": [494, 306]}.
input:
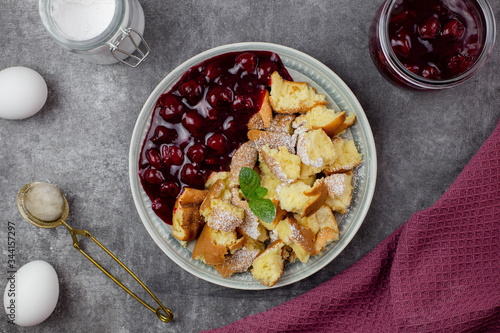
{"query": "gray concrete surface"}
{"type": "Point", "coordinates": [80, 142]}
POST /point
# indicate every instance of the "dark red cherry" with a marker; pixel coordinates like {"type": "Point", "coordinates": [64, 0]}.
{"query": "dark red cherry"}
{"type": "Point", "coordinates": [213, 114]}
{"type": "Point", "coordinates": [458, 64]}
{"type": "Point", "coordinates": [220, 97]}
{"type": "Point", "coordinates": [472, 47]}
{"type": "Point", "coordinates": [218, 143]}
{"type": "Point", "coordinates": [193, 122]}
{"type": "Point", "coordinates": [154, 176]}
{"type": "Point", "coordinates": [168, 100]}
{"type": "Point", "coordinates": [192, 176]}
{"type": "Point", "coordinates": [211, 161]}
{"type": "Point", "coordinates": [223, 161]}
{"type": "Point", "coordinates": [413, 68]}
{"type": "Point", "coordinates": [165, 155]}
{"type": "Point", "coordinates": [266, 68]}
{"type": "Point", "coordinates": [196, 153]}
{"type": "Point", "coordinates": [249, 86]}
{"type": "Point", "coordinates": [172, 155]}
{"type": "Point", "coordinates": [438, 9]}
{"type": "Point", "coordinates": [172, 108]}
{"type": "Point", "coordinates": [452, 30]}
{"type": "Point", "coordinates": [431, 72]}
{"type": "Point", "coordinates": [226, 81]}
{"type": "Point", "coordinates": [229, 126]}
{"type": "Point", "coordinates": [201, 80]}
{"type": "Point", "coordinates": [162, 209]}
{"type": "Point", "coordinates": [164, 135]}
{"type": "Point", "coordinates": [429, 28]}
{"type": "Point", "coordinates": [154, 158]}
{"type": "Point", "coordinates": [213, 72]}
{"type": "Point", "coordinates": [247, 61]}
{"type": "Point", "coordinates": [192, 91]}
{"type": "Point", "coordinates": [400, 18]}
{"type": "Point", "coordinates": [242, 103]}
{"type": "Point", "coordinates": [401, 44]}
{"type": "Point", "coordinates": [170, 189]}
{"type": "Point", "coordinates": [176, 155]}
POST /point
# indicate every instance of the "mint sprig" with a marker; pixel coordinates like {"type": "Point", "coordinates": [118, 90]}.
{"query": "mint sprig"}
{"type": "Point", "coordinates": [264, 209]}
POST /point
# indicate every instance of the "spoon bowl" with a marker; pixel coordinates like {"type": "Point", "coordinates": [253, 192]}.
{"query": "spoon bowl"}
{"type": "Point", "coordinates": [31, 218]}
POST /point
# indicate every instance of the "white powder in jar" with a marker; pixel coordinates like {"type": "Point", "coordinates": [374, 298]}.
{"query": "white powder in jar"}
{"type": "Point", "coordinates": [82, 20]}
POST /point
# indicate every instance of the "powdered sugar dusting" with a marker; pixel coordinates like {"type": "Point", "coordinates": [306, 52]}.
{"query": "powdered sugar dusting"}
{"type": "Point", "coordinates": [300, 129]}
{"type": "Point", "coordinates": [296, 234]}
{"type": "Point", "coordinates": [242, 259]}
{"type": "Point", "coordinates": [276, 140]}
{"type": "Point", "coordinates": [273, 235]}
{"type": "Point", "coordinates": [279, 187]}
{"type": "Point", "coordinates": [299, 122]}
{"type": "Point", "coordinates": [344, 167]}
{"type": "Point", "coordinates": [280, 123]}
{"type": "Point", "coordinates": [335, 184]}
{"type": "Point", "coordinates": [221, 219]}
{"type": "Point", "coordinates": [250, 225]}
{"type": "Point", "coordinates": [278, 172]}
{"type": "Point", "coordinates": [245, 156]}
{"type": "Point", "coordinates": [239, 262]}
{"type": "Point", "coordinates": [300, 238]}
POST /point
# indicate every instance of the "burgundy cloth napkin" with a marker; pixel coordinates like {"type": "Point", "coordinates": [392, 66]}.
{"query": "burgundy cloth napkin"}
{"type": "Point", "coordinates": [439, 272]}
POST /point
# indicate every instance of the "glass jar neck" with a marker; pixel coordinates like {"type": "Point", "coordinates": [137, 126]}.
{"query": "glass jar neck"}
{"type": "Point", "coordinates": [486, 14]}
{"type": "Point", "coordinates": [46, 8]}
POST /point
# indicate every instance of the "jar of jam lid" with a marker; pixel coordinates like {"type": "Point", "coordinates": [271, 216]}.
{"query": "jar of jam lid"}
{"type": "Point", "coordinates": [99, 31]}
{"type": "Point", "coordinates": [431, 44]}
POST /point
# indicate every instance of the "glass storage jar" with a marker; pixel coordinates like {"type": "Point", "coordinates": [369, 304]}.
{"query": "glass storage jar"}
{"type": "Point", "coordinates": [405, 48]}
{"type": "Point", "coordinates": [73, 24]}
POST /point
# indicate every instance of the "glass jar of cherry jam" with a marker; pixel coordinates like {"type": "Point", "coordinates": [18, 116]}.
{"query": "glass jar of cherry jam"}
{"type": "Point", "coordinates": [431, 44]}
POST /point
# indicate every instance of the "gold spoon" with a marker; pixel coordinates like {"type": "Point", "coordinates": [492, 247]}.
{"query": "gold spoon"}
{"type": "Point", "coordinates": [45, 206]}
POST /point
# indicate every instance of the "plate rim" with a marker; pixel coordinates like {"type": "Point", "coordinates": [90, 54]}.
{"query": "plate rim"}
{"type": "Point", "coordinates": [198, 58]}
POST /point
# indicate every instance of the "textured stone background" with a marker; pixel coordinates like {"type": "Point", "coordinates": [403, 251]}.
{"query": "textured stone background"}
{"type": "Point", "coordinates": [80, 142]}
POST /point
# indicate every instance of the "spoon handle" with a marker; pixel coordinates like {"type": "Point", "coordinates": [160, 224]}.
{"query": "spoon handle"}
{"type": "Point", "coordinates": [166, 317]}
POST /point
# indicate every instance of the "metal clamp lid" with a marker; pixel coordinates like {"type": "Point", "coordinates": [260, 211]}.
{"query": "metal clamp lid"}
{"type": "Point", "coordinates": [135, 59]}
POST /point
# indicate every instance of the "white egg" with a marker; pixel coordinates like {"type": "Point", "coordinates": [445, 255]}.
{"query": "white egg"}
{"type": "Point", "coordinates": [31, 293]}
{"type": "Point", "coordinates": [23, 92]}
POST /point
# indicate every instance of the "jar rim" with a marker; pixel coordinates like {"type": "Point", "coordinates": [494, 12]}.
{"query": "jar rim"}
{"type": "Point", "coordinates": [82, 45]}
{"type": "Point", "coordinates": [483, 8]}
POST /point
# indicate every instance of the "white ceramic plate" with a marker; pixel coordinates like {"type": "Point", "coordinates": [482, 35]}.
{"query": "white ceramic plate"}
{"type": "Point", "coordinates": [302, 68]}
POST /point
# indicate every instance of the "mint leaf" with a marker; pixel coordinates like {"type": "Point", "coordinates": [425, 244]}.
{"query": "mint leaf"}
{"type": "Point", "coordinates": [264, 209]}
{"type": "Point", "coordinates": [260, 192]}
{"type": "Point", "coordinates": [249, 183]}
